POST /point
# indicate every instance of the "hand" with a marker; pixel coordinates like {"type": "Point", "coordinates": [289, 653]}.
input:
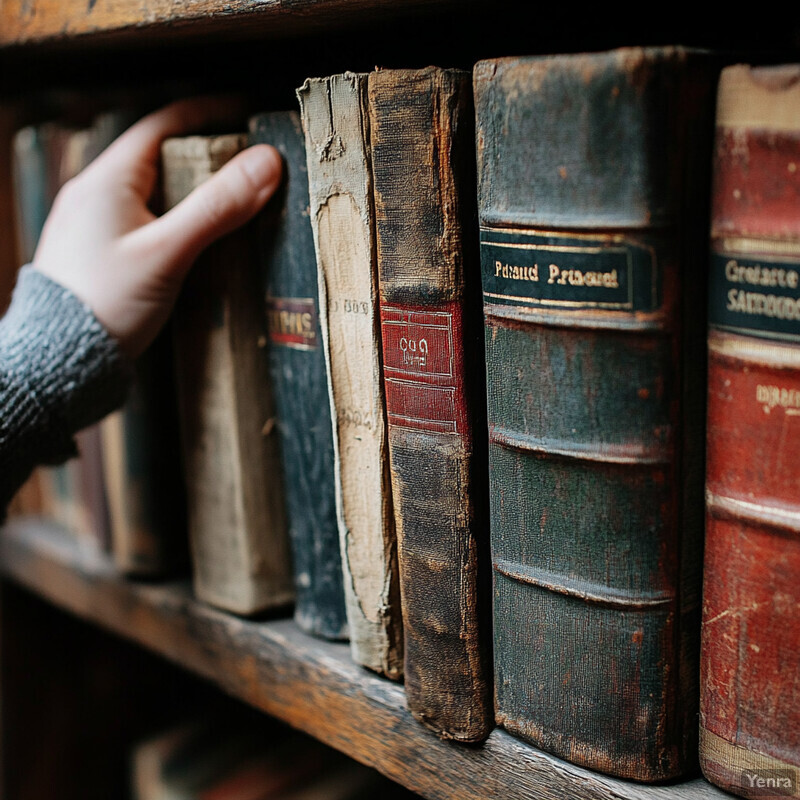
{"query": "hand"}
{"type": "Point", "coordinates": [103, 243]}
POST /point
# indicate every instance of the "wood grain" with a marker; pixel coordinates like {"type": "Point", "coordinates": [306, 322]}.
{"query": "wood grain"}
{"type": "Point", "coordinates": [311, 684]}
{"type": "Point", "coordinates": [24, 22]}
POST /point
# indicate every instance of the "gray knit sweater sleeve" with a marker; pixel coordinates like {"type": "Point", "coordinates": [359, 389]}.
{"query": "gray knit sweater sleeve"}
{"type": "Point", "coordinates": [59, 372]}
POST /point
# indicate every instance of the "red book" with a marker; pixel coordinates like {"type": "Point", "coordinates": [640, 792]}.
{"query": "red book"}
{"type": "Point", "coordinates": [750, 658]}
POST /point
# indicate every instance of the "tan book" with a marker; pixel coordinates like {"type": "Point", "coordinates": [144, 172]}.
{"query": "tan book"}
{"type": "Point", "coordinates": [237, 532]}
{"type": "Point", "coordinates": [336, 126]}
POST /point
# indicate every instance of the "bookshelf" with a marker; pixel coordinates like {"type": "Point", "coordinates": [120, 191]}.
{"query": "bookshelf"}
{"type": "Point", "coordinates": [311, 684]}
{"type": "Point", "coordinates": [269, 664]}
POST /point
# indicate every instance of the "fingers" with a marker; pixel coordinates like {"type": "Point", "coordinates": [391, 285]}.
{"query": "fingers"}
{"type": "Point", "coordinates": [225, 201]}
{"type": "Point", "coordinates": [134, 157]}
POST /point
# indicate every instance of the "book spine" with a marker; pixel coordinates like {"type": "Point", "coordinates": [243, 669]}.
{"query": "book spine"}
{"type": "Point", "coordinates": [749, 720]}
{"type": "Point", "coordinates": [141, 464]}
{"type": "Point", "coordinates": [589, 238]}
{"type": "Point", "coordinates": [336, 127]}
{"type": "Point", "coordinates": [237, 533]}
{"type": "Point", "coordinates": [422, 138]}
{"type": "Point", "coordinates": [299, 382]}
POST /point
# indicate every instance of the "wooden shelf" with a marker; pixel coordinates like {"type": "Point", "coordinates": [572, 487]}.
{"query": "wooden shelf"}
{"type": "Point", "coordinates": [75, 22]}
{"type": "Point", "coordinates": [311, 684]}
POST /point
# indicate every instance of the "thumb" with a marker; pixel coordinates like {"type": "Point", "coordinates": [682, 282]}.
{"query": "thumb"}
{"type": "Point", "coordinates": [228, 199]}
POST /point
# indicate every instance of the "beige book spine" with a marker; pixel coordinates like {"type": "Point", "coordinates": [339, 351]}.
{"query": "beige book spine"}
{"type": "Point", "coordinates": [335, 122]}
{"type": "Point", "coordinates": [237, 529]}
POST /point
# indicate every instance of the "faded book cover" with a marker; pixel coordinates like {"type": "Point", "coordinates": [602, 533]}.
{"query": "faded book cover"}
{"type": "Point", "coordinates": [423, 166]}
{"type": "Point", "coordinates": [237, 530]}
{"type": "Point", "coordinates": [749, 700]}
{"type": "Point", "coordinates": [592, 186]}
{"type": "Point", "coordinates": [336, 126]}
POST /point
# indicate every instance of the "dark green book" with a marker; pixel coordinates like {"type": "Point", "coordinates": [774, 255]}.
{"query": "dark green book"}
{"type": "Point", "coordinates": [299, 382]}
{"type": "Point", "coordinates": [593, 186]}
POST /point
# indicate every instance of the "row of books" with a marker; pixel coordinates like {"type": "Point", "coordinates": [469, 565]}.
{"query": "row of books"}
{"type": "Point", "coordinates": [331, 386]}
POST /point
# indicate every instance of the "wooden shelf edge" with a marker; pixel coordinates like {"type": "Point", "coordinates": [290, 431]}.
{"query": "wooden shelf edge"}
{"type": "Point", "coordinates": [310, 684]}
{"type": "Point", "coordinates": [77, 21]}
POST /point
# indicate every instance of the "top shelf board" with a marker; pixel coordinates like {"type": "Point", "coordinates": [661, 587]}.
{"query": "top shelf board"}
{"type": "Point", "coordinates": [29, 22]}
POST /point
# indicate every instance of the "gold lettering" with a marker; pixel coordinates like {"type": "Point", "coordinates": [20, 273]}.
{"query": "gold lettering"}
{"type": "Point", "coordinates": [576, 277]}
{"type": "Point", "coordinates": [777, 396]}
{"type": "Point", "coordinates": [757, 275]}
{"type": "Point", "coordinates": [515, 272]}
{"type": "Point", "coordinates": [767, 305]}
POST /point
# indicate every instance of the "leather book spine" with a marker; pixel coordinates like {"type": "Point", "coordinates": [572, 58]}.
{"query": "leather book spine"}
{"type": "Point", "coordinates": [142, 470]}
{"type": "Point", "coordinates": [423, 166]}
{"type": "Point", "coordinates": [749, 717]}
{"type": "Point", "coordinates": [237, 531]}
{"type": "Point", "coordinates": [592, 183]}
{"type": "Point", "coordinates": [336, 126]}
{"type": "Point", "coordinates": [299, 382]}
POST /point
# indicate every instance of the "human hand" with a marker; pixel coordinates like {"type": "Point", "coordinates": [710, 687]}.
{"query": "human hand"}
{"type": "Point", "coordinates": [103, 243]}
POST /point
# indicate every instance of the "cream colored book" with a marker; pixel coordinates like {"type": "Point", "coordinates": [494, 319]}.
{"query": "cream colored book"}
{"type": "Point", "coordinates": [237, 531]}
{"type": "Point", "coordinates": [336, 126]}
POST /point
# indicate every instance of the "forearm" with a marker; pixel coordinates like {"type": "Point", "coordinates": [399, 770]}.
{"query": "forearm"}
{"type": "Point", "coordinates": [59, 372]}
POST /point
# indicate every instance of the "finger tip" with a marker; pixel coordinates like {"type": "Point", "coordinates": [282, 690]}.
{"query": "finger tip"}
{"type": "Point", "coordinates": [264, 166]}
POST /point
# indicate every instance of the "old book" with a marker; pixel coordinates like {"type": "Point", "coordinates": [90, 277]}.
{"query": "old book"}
{"type": "Point", "coordinates": [423, 167]}
{"type": "Point", "coordinates": [236, 521]}
{"type": "Point", "coordinates": [336, 126]}
{"type": "Point", "coordinates": [141, 467]}
{"type": "Point", "coordinates": [299, 382]}
{"type": "Point", "coordinates": [217, 759]}
{"type": "Point", "coordinates": [749, 717]}
{"type": "Point", "coordinates": [592, 182]}
{"type": "Point", "coordinates": [45, 157]}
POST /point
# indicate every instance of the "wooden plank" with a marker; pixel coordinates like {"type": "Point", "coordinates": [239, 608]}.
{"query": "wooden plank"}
{"type": "Point", "coordinates": [311, 684]}
{"type": "Point", "coordinates": [25, 22]}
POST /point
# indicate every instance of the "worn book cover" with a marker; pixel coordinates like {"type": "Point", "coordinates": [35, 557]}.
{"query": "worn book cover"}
{"type": "Point", "coordinates": [749, 717]}
{"type": "Point", "coordinates": [592, 184]}
{"type": "Point", "coordinates": [423, 166]}
{"type": "Point", "coordinates": [237, 529]}
{"type": "Point", "coordinates": [299, 381]}
{"type": "Point", "coordinates": [336, 126]}
{"type": "Point", "coordinates": [142, 470]}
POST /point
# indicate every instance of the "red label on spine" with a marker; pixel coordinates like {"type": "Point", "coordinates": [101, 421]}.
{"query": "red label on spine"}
{"type": "Point", "coordinates": [422, 368]}
{"type": "Point", "coordinates": [292, 322]}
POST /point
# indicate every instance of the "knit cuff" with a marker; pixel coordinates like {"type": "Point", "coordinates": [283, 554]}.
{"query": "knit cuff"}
{"type": "Point", "coordinates": [60, 371]}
